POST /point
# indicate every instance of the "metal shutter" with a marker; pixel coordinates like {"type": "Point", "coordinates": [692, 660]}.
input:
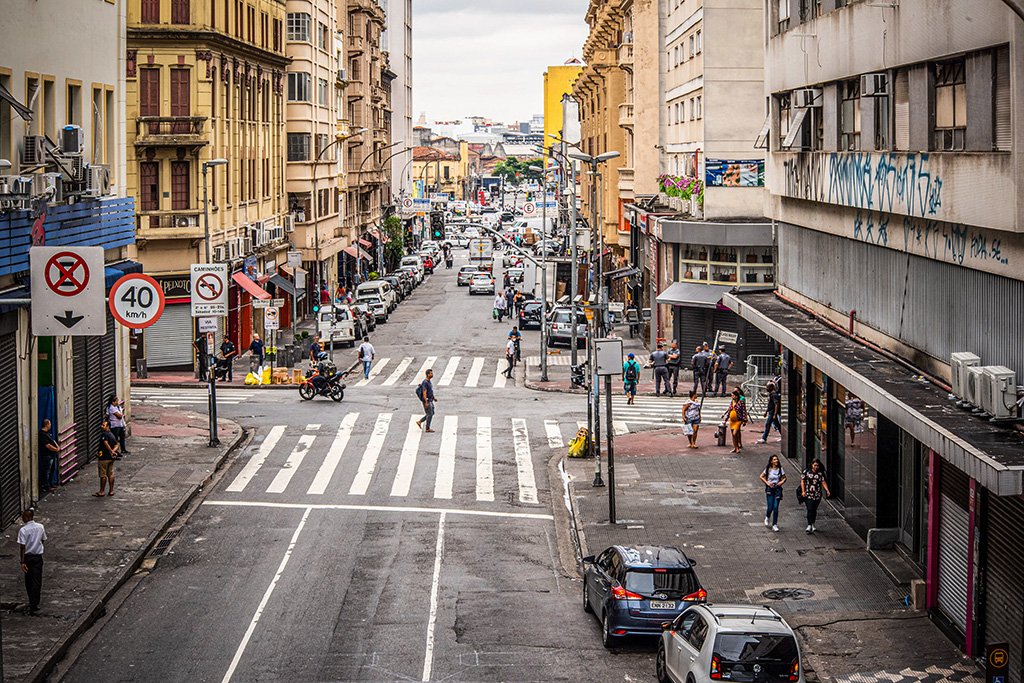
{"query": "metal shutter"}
{"type": "Point", "coordinates": [953, 551]}
{"type": "Point", "coordinates": [1004, 560]}
{"type": "Point", "coordinates": [1002, 129]}
{"type": "Point", "coordinates": [693, 330]}
{"type": "Point", "coordinates": [901, 109]}
{"type": "Point", "coordinates": [169, 339]}
{"type": "Point", "coordinates": [10, 462]}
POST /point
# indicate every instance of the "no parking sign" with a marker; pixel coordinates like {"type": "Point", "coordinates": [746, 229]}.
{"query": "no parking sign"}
{"type": "Point", "coordinates": [271, 318]}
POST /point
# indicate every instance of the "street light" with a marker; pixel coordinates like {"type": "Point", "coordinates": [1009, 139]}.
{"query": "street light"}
{"type": "Point", "coordinates": [543, 274]}
{"type": "Point", "coordinates": [359, 170]}
{"type": "Point", "coordinates": [210, 371]}
{"type": "Point", "coordinates": [316, 213]}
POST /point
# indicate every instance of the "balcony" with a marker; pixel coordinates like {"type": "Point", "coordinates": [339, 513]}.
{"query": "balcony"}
{"type": "Point", "coordinates": [356, 44]}
{"type": "Point", "coordinates": [179, 224]}
{"type": "Point", "coordinates": [626, 115]}
{"type": "Point", "coordinates": [170, 131]}
{"type": "Point", "coordinates": [625, 179]}
{"type": "Point", "coordinates": [625, 57]}
{"type": "Point", "coordinates": [376, 93]}
{"type": "Point", "coordinates": [356, 89]}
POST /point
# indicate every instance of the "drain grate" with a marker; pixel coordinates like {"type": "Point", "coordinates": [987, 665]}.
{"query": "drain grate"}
{"type": "Point", "coordinates": [164, 543]}
{"type": "Point", "coordinates": [787, 594]}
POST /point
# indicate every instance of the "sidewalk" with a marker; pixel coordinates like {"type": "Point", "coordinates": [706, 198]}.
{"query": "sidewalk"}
{"type": "Point", "coordinates": [850, 616]}
{"type": "Point", "coordinates": [96, 544]}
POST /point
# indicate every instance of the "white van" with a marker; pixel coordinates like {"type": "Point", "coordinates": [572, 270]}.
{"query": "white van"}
{"type": "Point", "coordinates": [414, 262]}
{"type": "Point", "coordinates": [337, 323]}
{"type": "Point", "coordinates": [378, 289]}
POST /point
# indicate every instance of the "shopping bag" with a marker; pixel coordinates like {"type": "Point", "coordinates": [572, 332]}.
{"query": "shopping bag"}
{"type": "Point", "coordinates": [494, 313]}
{"type": "Point", "coordinates": [688, 429]}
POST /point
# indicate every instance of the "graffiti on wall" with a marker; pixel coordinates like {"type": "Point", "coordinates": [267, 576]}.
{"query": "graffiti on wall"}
{"type": "Point", "coordinates": [894, 182]}
{"type": "Point", "coordinates": [951, 242]}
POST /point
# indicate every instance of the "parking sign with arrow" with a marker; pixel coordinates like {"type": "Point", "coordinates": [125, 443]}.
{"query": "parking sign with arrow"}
{"type": "Point", "coordinates": [68, 289]}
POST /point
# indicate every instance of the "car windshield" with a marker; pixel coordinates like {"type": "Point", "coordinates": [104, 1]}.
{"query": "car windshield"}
{"type": "Point", "coordinates": [468, 269]}
{"type": "Point", "coordinates": [760, 647]}
{"type": "Point", "coordinates": [563, 317]}
{"type": "Point", "coordinates": [676, 582]}
{"type": "Point", "coordinates": [331, 316]}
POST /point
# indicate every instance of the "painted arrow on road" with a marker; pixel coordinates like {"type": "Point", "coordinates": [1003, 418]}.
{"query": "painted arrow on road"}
{"type": "Point", "coordinates": [69, 319]}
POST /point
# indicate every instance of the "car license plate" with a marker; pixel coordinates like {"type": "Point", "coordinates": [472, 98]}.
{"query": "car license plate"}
{"type": "Point", "coordinates": [657, 604]}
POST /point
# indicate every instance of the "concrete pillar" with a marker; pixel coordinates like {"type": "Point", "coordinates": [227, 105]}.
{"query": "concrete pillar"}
{"type": "Point", "coordinates": [920, 80]}
{"type": "Point", "coordinates": [979, 73]}
{"type": "Point", "coordinates": [830, 117]}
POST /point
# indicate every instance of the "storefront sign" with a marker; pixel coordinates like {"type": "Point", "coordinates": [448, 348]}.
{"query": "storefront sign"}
{"type": "Point", "coordinates": [732, 173]}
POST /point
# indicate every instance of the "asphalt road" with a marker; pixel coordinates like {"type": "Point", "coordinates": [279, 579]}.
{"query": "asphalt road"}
{"type": "Point", "coordinates": [343, 544]}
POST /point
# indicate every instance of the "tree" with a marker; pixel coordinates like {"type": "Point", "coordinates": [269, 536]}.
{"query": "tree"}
{"type": "Point", "coordinates": [516, 171]}
{"type": "Point", "coordinates": [394, 249]}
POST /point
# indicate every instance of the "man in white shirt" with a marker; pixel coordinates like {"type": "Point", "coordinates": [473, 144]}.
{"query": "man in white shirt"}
{"type": "Point", "coordinates": [366, 356]}
{"type": "Point", "coordinates": [510, 356]}
{"type": "Point", "coordinates": [30, 541]}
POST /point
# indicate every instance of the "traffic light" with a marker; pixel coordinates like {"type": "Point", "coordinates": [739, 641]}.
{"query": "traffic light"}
{"type": "Point", "coordinates": [578, 374]}
{"type": "Point", "coordinates": [438, 234]}
{"type": "Point", "coordinates": [436, 225]}
{"type": "Point", "coordinates": [316, 308]}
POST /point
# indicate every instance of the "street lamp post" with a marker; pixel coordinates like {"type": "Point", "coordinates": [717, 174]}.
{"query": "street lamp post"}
{"type": "Point", "coordinates": [543, 274]}
{"type": "Point", "coordinates": [211, 371]}
{"type": "Point", "coordinates": [373, 151]}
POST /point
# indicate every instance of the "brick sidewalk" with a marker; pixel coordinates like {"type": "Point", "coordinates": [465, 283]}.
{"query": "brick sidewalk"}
{"type": "Point", "coordinates": [852, 619]}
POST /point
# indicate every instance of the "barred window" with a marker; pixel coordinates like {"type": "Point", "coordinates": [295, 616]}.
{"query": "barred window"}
{"type": "Point", "coordinates": [298, 146]}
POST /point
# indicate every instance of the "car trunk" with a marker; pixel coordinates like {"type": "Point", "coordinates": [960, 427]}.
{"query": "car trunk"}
{"type": "Point", "coordinates": [755, 657]}
{"type": "Point", "coordinates": [665, 592]}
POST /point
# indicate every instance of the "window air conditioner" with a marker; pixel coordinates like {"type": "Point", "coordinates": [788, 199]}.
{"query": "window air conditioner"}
{"type": "Point", "coordinates": [182, 221]}
{"type": "Point", "coordinates": [874, 85]}
{"type": "Point", "coordinates": [246, 246]}
{"type": "Point", "coordinates": [33, 150]}
{"type": "Point", "coordinates": [218, 253]}
{"type": "Point", "coordinates": [998, 391]}
{"type": "Point", "coordinates": [289, 223]}
{"type": "Point", "coordinates": [97, 181]}
{"type": "Point", "coordinates": [972, 387]}
{"type": "Point", "coordinates": [958, 363]}
{"type": "Point", "coordinates": [72, 140]}
{"type": "Point", "coordinates": [53, 185]}
{"type": "Point", "coordinates": [806, 97]}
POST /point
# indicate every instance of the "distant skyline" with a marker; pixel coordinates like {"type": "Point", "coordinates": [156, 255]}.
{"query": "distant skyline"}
{"type": "Point", "coordinates": [487, 57]}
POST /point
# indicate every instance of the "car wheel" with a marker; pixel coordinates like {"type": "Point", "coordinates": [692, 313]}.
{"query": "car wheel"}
{"type": "Point", "coordinates": [661, 666]}
{"type": "Point", "coordinates": [586, 598]}
{"type": "Point", "coordinates": [607, 639]}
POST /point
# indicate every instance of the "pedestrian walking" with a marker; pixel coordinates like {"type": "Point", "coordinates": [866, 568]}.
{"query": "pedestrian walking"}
{"type": "Point", "coordinates": [256, 349]}
{"type": "Point", "coordinates": [673, 368]}
{"type": "Point", "coordinates": [425, 393]}
{"type": "Point", "coordinates": [199, 344]}
{"type": "Point", "coordinates": [510, 299]}
{"type": "Point", "coordinates": [366, 356]}
{"type": "Point", "coordinates": [771, 418]}
{"type": "Point", "coordinates": [773, 477]}
{"type": "Point", "coordinates": [691, 419]}
{"type": "Point", "coordinates": [510, 357]}
{"type": "Point", "coordinates": [812, 488]}
{"type": "Point", "coordinates": [736, 414]}
{"type": "Point", "coordinates": [31, 537]}
{"type": "Point", "coordinates": [630, 377]}
{"type": "Point", "coordinates": [48, 453]}
{"type": "Point", "coordinates": [315, 347]}
{"type": "Point", "coordinates": [854, 415]}
{"type": "Point", "coordinates": [228, 353]}
{"type": "Point", "coordinates": [105, 459]}
{"type": "Point", "coordinates": [118, 425]}
{"type": "Point", "coordinates": [516, 336]}
{"type": "Point", "coordinates": [723, 363]}
{"type": "Point", "coordinates": [659, 361]}
{"type": "Point", "coordinates": [499, 307]}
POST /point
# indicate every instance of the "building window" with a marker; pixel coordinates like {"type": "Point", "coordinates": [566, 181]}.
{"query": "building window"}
{"type": "Point", "coordinates": [782, 12]}
{"type": "Point", "coordinates": [692, 45]}
{"type": "Point", "coordinates": [266, 177]}
{"type": "Point", "coordinates": [809, 9]}
{"type": "Point", "coordinates": [277, 35]}
{"type": "Point", "coordinates": [252, 179]}
{"type": "Point", "coordinates": [322, 141]}
{"type": "Point", "coordinates": [149, 186]}
{"type": "Point", "coordinates": [181, 99]}
{"type": "Point", "coordinates": [700, 108]}
{"type": "Point", "coordinates": [1002, 134]}
{"type": "Point", "coordinates": [49, 108]}
{"type": "Point", "coordinates": [700, 42]}
{"type": "Point", "coordinates": [180, 12]}
{"type": "Point", "coordinates": [298, 27]}
{"type": "Point", "coordinates": [322, 92]}
{"type": "Point", "coordinates": [298, 146]}
{"type": "Point", "coordinates": [693, 109]}
{"type": "Point", "coordinates": [880, 104]}
{"type": "Point", "coordinates": [73, 106]}
{"type": "Point", "coordinates": [298, 86]}
{"type": "Point", "coordinates": [97, 126]}
{"type": "Point", "coordinates": [149, 92]}
{"type": "Point", "coordinates": [323, 36]}
{"type": "Point", "coordinates": [150, 12]}
{"type": "Point", "coordinates": [180, 185]}
{"type": "Point", "coordinates": [849, 115]}
{"type": "Point", "coordinates": [950, 105]}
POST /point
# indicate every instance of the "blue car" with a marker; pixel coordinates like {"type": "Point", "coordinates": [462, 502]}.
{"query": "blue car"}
{"type": "Point", "coordinates": [634, 590]}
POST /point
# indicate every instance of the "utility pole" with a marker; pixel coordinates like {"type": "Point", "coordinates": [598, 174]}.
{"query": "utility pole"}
{"type": "Point", "coordinates": [211, 368]}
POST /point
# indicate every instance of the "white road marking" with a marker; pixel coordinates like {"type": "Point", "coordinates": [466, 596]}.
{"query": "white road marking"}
{"type": "Point", "coordinates": [554, 433]}
{"type": "Point", "coordinates": [499, 374]}
{"type": "Point", "coordinates": [312, 427]}
{"type": "Point", "coordinates": [407, 461]}
{"type": "Point", "coordinates": [619, 427]}
{"type": "Point", "coordinates": [333, 457]}
{"type": "Point", "coordinates": [379, 508]}
{"type": "Point", "coordinates": [524, 463]}
{"type": "Point", "coordinates": [256, 461]}
{"type": "Point", "coordinates": [444, 481]}
{"type": "Point", "coordinates": [428, 655]}
{"type": "Point", "coordinates": [285, 474]}
{"type": "Point", "coordinates": [374, 371]}
{"type": "Point", "coordinates": [474, 372]}
{"type": "Point", "coordinates": [421, 373]}
{"type": "Point", "coordinates": [449, 371]}
{"type": "Point", "coordinates": [402, 367]}
{"type": "Point", "coordinates": [266, 598]}
{"type": "Point", "coordinates": [484, 460]}
{"type": "Point", "coordinates": [369, 461]}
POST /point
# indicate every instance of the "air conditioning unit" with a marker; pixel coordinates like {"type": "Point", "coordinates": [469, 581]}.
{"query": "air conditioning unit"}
{"type": "Point", "coordinates": [958, 363]}
{"type": "Point", "coordinates": [806, 97]}
{"type": "Point", "coordinates": [53, 185]}
{"type": "Point", "coordinates": [97, 181]}
{"type": "Point", "coordinates": [874, 85]}
{"type": "Point", "coordinates": [183, 221]}
{"type": "Point", "coordinates": [231, 249]}
{"type": "Point", "coordinates": [627, 37]}
{"type": "Point", "coordinates": [288, 223]}
{"type": "Point", "coordinates": [77, 163]}
{"type": "Point", "coordinates": [15, 193]}
{"type": "Point", "coordinates": [246, 247]}
{"type": "Point", "coordinates": [255, 237]}
{"type": "Point", "coordinates": [342, 74]}
{"type": "Point", "coordinates": [278, 233]}
{"type": "Point", "coordinates": [218, 253]}
{"type": "Point", "coordinates": [972, 387]}
{"type": "Point", "coordinates": [72, 140]}
{"type": "Point", "coordinates": [33, 150]}
{"type": "Point", "coordinates": [998, 391]}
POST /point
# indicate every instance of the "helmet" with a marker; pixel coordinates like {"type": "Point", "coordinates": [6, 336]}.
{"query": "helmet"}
{"type": "Point", "coordinates": [322, 355]}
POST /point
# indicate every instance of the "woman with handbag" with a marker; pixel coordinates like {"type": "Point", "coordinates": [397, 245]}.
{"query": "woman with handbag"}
{"type": "Point", "coordinates": [691, 419]}
{"type": "Point", "coordinates": [773, 478]}
{"type": "Point", "coordinates": [812, 488]}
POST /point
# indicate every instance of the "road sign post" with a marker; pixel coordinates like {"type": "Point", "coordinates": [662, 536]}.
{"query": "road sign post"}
{"type": "Point", "coordinates": [136, 301]}
{"type": "Point", "coordinates": [608, 359]}
{"type": "Point", "coordinates": [210, 299]}
{"type": "Point", "coordinates": [67, 291]}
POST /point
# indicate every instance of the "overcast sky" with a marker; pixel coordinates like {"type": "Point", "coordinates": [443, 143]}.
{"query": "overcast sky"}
{"type": "Point", "coordinates": [487, 57]}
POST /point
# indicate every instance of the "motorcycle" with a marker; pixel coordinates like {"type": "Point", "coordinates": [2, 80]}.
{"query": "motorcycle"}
{"type": "Point", "coordinates": [323, 380]}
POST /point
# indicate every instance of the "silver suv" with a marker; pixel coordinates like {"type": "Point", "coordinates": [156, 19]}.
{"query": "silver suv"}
{"type": "Point", "coordinates": [728, 642]}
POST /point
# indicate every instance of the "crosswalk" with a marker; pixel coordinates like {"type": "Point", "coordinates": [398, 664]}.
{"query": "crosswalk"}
{"type": "Point", "coordinates": [457, 371]}
{"type": "Point", "coordinates": [389, 455]}
{"type": "Point", "coordinates": [189, 398]}
{"type": "Point", "coordinates": [663, 410]}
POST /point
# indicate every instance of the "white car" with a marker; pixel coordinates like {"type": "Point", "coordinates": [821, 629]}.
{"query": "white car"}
{"type": "Point", "coordinates": [415, 263]}
{"type": "Point", "coordinates": [381, 289]}
{"type": "Point", "coordinates": [481, 284]}
{"type": "Point", "coordinates": [709, 643]}
{"type": "Point", "coordinates": [377, 305]}
{"type": "Point", "coordinates": [338, 323]}
{"type": "Point", "coordinates": [471, 232]}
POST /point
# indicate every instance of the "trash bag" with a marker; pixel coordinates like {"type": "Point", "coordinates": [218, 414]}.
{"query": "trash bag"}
{"type": "Point", "coordinates": [265, 376]}
{"type": "Point", "coordinates": [578, 447]}
{"type": "Point", "coordinates": [251, 379]}
{"type": "Point", "coordinates": [494, 313]}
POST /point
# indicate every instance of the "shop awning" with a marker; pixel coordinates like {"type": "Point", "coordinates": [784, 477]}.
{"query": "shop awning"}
{"type": "Point", "coordinates": [358, 253]}
{"type": "Point", "coordinates": [243, 281]}
{"type": "Point", "coordinates": [365, 243]}
{"type": "Point", "coordinates": [619, 273]}
{"type": "Point", "coordinates": [693, 294]}
{"type": "Point", "coordinates": [987, 453]}
{"type": "Point", "coordinates": [115, 271]}
{"type": "Point", "coordinates": [285, 285]}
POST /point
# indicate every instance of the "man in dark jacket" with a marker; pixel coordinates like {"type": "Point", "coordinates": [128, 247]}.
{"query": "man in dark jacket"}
{"type": "Point", "coordinates": [201, 355]}
{"type": "Point", "coordinates": [228, 352]}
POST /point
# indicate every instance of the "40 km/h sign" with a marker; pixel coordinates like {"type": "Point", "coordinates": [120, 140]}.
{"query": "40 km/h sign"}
{"type": "Point", "coordinates": [136, 301]}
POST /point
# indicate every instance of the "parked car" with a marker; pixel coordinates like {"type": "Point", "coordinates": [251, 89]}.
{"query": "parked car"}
{"type": "Point", "coordinates": [416, 264]}
{"type": "Point", "coordinates": [466, 274]}
{"type": "Point", "coordinates": [339, 323]}
{"type": "Point", "coordinates": [372, 299]}
{"type": "Point", "coordinates": [516, 275]}
{"type": "Point", "coordinates": [362, 310]}
{"type": "Point", "coordinates": [560, 328]}
{"type": "Point", "coordinates": [396, 287]}
{"type": "Point", "coordinates": [481, 283]}
{"type": "Point", "coordinates": [511, 259]}
{"type": "Point", "coordinates": [728, 642]}
{"type": "Point", "coordinates": [531, 316]}
{"type": "Point", "coordinates": [381, 289]}
{"type": "Point", "coordinates": [634, 590]}
{"type": "Point", "coordinates": [412, 272]}
{"type": "Point", "coordinates": [405, 279]}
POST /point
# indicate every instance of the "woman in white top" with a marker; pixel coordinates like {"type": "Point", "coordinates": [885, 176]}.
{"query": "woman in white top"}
{"type": "Point", "coordinates": [115, 415]}
{"type": "Point", "coordinates": [773, 478]}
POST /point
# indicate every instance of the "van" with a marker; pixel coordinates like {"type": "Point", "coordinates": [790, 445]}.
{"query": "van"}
{"type": "Point", "coordinates": [379, 289]}
{"type": "Point", "coordinates": [416, 263]}
{"type": "Point", "coordinates": [338, 324]}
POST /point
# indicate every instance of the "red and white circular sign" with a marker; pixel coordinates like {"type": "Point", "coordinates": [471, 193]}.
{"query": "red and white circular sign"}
{"type": "Point", "coordinates": [136, 301]}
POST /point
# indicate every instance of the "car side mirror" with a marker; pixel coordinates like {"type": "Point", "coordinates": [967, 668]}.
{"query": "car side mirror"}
{"type": "Point", "coordinates": [693, 562]}
{"type": "Point", "coordinates": [666, 626]}
{"type": "Point", "coordinates": [589, 559]}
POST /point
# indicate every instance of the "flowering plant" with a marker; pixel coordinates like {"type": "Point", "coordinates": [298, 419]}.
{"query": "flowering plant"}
{"type": "Point", "coordinates": [684, 187]}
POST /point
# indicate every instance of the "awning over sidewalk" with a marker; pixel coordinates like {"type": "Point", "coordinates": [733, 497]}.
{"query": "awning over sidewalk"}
{"type": "Point", "coordinates": [366, 243]}
{"type": "Point", "coordinates": [243, 281]}
{"type": "Point", "coordinates": [693, 294]}
{"type": "Point", "coordinates": [113, 272]}
{"type": "Point", "coordinates": [286, 285]}
{"type": "Point", "coordinates": [992, 455]}
{"type": "Point", "coordinates": [358, 253]}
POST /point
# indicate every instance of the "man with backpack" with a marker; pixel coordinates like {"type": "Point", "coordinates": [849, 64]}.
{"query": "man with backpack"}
{"type": "Point", "coordinates": [425, 393]}
{"type": "Point", "coordinates": [630, 377]}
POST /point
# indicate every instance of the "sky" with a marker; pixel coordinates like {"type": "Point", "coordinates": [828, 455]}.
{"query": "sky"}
{"type": "Point", "coordinates": [487, 57]}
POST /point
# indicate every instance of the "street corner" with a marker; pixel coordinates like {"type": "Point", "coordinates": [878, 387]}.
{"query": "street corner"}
{"type": "Point", "coordinates": [552, 386]}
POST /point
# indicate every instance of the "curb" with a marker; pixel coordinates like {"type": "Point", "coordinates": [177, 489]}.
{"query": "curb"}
{"type": "Point", "coordinates": [145, 383]}
{"type": "Point", "coordinates": [41, 671]}
{"type": "Point", "coordinates": [567, 528]}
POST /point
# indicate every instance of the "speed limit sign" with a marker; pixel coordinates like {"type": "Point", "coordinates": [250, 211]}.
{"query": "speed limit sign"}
{"type": "Point", "coordinates": [136, 301]}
